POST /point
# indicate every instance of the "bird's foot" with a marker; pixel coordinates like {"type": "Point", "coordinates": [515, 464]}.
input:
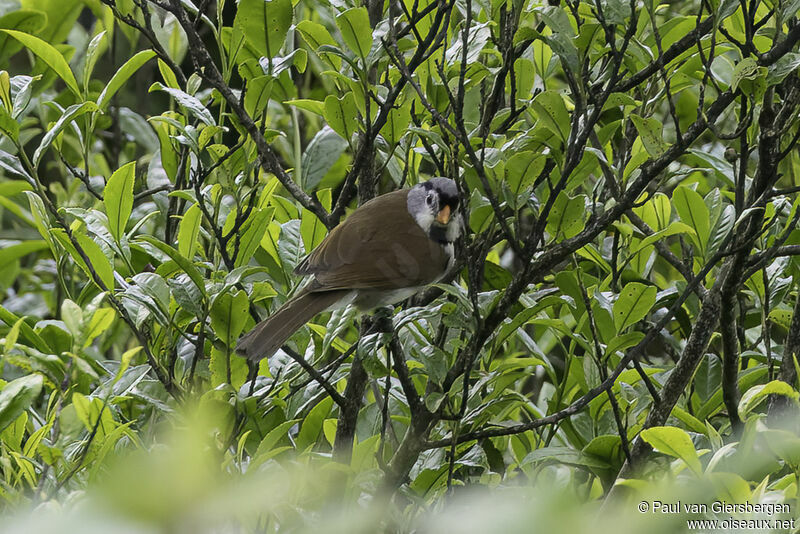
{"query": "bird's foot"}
{"type": "Point", "coordinates": [382, 319]}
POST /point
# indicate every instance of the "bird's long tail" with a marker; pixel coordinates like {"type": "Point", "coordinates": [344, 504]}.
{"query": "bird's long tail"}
{"type": "Point", "coordinates": [271, 333]}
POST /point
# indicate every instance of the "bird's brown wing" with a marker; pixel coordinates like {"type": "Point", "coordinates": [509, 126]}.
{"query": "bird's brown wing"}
{"type": "Point", "coordinates": [380, 246]}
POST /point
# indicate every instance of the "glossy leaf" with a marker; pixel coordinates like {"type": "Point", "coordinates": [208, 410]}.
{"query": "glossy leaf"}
{"type": "Point", "coordinates": [122, 75]}
{"type": "Point", "coordinates": [17, 396]}
{"type": "Point", "coordinates": [118, 198]}
{"type": "Point", "coordinates": [356, 30]}
{"type": "Point", "coordinates": [693, 211]}
{"type": "Point", "coordinates": [69, 115]}
{"type": "Point", "coordinates": [264, 24]}
{"type": "Point", "coordinates": [674, 442]}
{"type": "Point", "coordinates": [634, 303]}
{"type": "Point", "coordinates": [47, 53]}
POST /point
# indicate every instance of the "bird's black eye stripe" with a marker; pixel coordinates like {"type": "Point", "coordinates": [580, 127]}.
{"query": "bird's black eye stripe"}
{"type": "Point", "coordinates": [451, 201]}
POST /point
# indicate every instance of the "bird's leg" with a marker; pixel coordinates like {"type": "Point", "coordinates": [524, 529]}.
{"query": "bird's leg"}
{"type": "Point", "coordinates": [382, 320]}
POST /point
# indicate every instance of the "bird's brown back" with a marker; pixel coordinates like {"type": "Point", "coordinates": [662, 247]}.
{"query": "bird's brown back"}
{"type": "Point", "coordinates": [379, 246]}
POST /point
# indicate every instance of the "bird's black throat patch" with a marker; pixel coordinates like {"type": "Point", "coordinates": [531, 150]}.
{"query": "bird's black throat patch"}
{"type": "Point", "coordinates": [439, 234]}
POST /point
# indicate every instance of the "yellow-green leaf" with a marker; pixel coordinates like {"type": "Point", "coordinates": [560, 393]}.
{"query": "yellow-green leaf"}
{"type": "Point", "coordinates": [118, 198]}
{"type": "Point", "coordinates": [47, 53]}
{"type": "Point", "coordinates": [188, 231]}
{"type": "Point", "coordinates": [633, 304]}
{"type": "Point", "coordinates": [356, 30]}
{"type": "Point", "coordinates": [674, 442]}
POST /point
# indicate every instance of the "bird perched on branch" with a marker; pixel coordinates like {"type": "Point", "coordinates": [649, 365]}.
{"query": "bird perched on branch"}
{"type": "Point", "coordinates": [384, 252]}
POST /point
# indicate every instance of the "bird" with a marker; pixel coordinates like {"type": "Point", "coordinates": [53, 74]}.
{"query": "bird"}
{"type": "Point", "coordinates": [387, 250]}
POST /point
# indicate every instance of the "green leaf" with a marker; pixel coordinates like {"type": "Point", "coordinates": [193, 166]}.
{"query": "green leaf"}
{"type": "Point", "coordinates": [229, 314]}
{"type": "Point", "coordinates": [314, 106]}
{"type": "Point", "coordinates": [98, 262]}
{"type": "Point", "coordinates": [781, 318]}
{"type": "Point", "coordinates": [312, 230]}
{"type": "Point", "coordinates": [673, 229]}
{"type": "Point", "coordinates": [633, 304]}
{"type": "Point", "coordinates": [782, 68]}
{"type": "Point", "coordinates": [525, 77]}
{"type": "Point", "coordinates": [693, 211]}
{"type": "Point", "coordinates": [66, 118]}
{"type": "Point", "coordinates": [356, 30]}
{"type": "Point", "coordinates": [564, 455]}
{"type": "Point", "coordinates": [12, 253]}
{"type": "Point", "coordinates": [522, 169]}
{"type": "Point", "coordinates": [61, 17]}
{"type": "Point", "coordinates": [747, 379]}
{"type": "Point", "coordinates": [397, 124]}
{"type": "Point", "coordinates": [674, 442]}
{"type": "Point", "coordinates": [341, 114]}
{"type": "Point", "coordinates": [94, 413]}
{"type": "Point", "coordinates": [100, 322]}
{"type": "Point", "coordinates": [121, 76]}
{"type": "Point", "coordinates": [558, 21]}
{"type": "Point", "coordinates": [691, 422]}
{"type": "Point", "coordinates": [656, 212]}
{"type": "Point", "coordinates": [227, 368]}
{"type": "Point", "coordinates": [253, 232]}
{"type": "Point", "coordinates": [27, 333]}
{"type": "Point", "coordinates": [364, 453]}
{"type": "Point", "coordinates": [17, 396]}
{"type": "Point", "coordinates": [623, 342]}
{"type": "Point", "coordinates": [13, 335]}
{"type": "Point", "coordinates": [8, 126]}
{"type": "Point", "coordinates": [721, 229]}
{"type": "Point", "coordinates": [320, 155]}
{"type": "Point", "coordinates": [564, 47]}
{"type": "Point", "coordinates": [550, 109]}
{"type": "Point", "coordinates": [187, 101]}
{"type": "Point", "coordinates": [169, 156]}
{"type": "Point", "coordinates": [5, 91]}
{"type": "Point", "coordinates": [312, 424]}
{"type": "Point", "coordinates": [317, 35]}
{"type": "Point", "coordinates": [47, 53]}
{"type": "Point", "coordinates": [118, 198]}
{"type": "Point", "coordinates": [745, 69]}
{"type": "Point", "coordinates": [25, 20]}
{"type": "Point", "coordinates": [257, 97]}
{"type": "Point", "coordinates": [264, 24]}
{"type": "Point", "coordinates": [707, 377]}
{"type": "Point", "coordinates": [562, 40]}
{"type": "Point", "coordinates": [189, 231]}
{"type": "Point", "coordinates": [650, 131]}
{"type": "Point", "coordinates": [271, 439]}
{"type": "Point", "coordinates": [566, 217]}
{"type": "Point", "coordinates": [152, 290]}
{"type": "Point", "coordinates": [93, 50]}
{"type": "Point", "coordinates": [756, 394]}
{"type": "Point", "coordinates": [187, 266]}
{"type": "Point", "coordinates": [168, 75]}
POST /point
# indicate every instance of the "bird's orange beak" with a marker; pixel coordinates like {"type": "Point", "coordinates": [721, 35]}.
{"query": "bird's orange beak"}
{"type": "Point", "coordinates": [444, 215]}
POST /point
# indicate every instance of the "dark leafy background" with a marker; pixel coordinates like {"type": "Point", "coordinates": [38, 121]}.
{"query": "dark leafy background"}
{"type": "Point", "coordinates": [622, 324]}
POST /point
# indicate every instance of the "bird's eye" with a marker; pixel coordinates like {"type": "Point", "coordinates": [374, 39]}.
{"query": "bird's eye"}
{"type": "Point", "coordinates": [429, 200]}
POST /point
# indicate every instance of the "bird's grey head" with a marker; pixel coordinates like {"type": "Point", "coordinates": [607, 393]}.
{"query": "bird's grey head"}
{"type": "Point", "coordinates": [434, 205]}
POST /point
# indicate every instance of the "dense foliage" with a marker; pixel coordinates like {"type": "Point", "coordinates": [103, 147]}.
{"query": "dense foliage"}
{"type": "Point", "coordinates": [623, 314]}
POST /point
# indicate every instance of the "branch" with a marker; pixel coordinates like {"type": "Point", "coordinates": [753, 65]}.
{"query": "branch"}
{"type": "Point", "coordinates": [401, 369]}
{"type": "Point", "coordinates": [780, 49]}
{"type": "Point", "coordinates": [207, 69]}
{"type": "Point", "coordinates": [678, 48]}
{"type": "Point", "coordinates": [582, 402]}
{"type": "Point", "coordinates": [316, 375]}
